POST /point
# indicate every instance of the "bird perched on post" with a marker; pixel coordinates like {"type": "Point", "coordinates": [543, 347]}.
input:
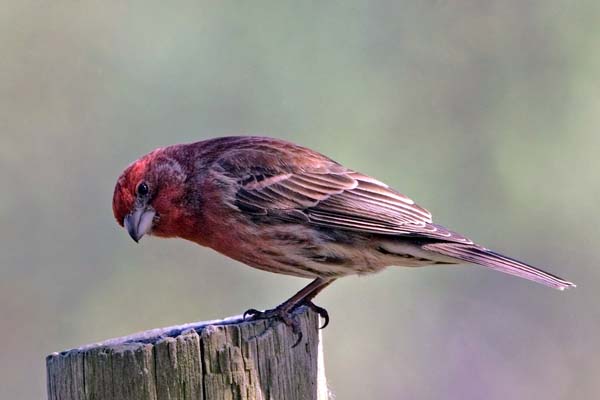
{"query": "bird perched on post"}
{"type": "Point", "coordinates": [287, 209]}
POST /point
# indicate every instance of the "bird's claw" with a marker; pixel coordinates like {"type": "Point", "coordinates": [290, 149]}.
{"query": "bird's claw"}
{"type": "Point", "coordinates": [319, 310]}
{"type": "Point", "coordinates": [288, 317]}
{"type": "Point", "coordinates": [252, 313]}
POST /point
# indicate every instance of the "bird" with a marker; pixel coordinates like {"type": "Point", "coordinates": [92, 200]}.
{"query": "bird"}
{"type": "Point", "coordinates": [287, 209]}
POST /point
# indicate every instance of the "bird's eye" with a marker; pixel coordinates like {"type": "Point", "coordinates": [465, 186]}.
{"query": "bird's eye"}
{"type": "Point", "coordinates": [142, 189]}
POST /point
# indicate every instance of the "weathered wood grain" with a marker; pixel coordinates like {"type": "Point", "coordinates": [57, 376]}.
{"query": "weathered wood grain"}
{"type": "Point", "coordinates": [223, 360]}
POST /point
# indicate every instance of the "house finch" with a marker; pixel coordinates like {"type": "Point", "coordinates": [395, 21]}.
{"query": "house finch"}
{"type": "Point", "coordinates": [287, 209]}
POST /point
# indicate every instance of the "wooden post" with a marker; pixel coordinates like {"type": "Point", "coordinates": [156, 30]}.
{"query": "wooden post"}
{"type": "Point", "coordinates": [226, 360]}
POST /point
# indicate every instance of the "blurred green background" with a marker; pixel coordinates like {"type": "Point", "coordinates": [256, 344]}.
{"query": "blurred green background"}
{"type": "Point", "coordinates": [487, 113]}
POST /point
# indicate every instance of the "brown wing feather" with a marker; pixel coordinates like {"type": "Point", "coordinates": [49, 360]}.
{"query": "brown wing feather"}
{"type": "Point", "coordinates": [325, 193]}
{"type": "Point", "coordinates": [488, 258]}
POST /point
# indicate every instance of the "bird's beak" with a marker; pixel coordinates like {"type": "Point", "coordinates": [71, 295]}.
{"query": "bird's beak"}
{"type": "Point", "coordinates": [139, 222]}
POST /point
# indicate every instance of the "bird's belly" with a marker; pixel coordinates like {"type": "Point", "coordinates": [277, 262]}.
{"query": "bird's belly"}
{"type": "Point", "coordinates": [308, 252]}
{"type": "Point", "coordinates": [303, 251]}
{"type": "Point", "coordinates": [307, 259]}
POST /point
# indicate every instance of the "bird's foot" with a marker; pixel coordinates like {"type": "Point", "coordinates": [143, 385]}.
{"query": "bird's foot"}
{"type": "Point", "coordinates": [282, 313]}
{"type": "Point", "coordinates": [288, 316]}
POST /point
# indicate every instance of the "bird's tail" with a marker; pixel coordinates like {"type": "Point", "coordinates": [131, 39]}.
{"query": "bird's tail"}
{"type": "Point", "coordinates": [479, 255]}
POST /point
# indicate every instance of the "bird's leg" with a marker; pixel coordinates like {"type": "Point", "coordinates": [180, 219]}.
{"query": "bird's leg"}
{"type": "Point", "coordinates": [307, 301]}
{"type": "Point", "coordinates": [285, 311]}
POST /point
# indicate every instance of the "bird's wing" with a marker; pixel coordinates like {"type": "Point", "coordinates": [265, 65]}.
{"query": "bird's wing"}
{"type": "Point", "coordinates": [280, 181]}
{"type": "Point", "coordinates": [334, 197]}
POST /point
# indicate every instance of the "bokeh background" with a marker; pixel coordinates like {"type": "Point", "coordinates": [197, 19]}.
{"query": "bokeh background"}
{"type": "Point", "coordinates": [485, 112]}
